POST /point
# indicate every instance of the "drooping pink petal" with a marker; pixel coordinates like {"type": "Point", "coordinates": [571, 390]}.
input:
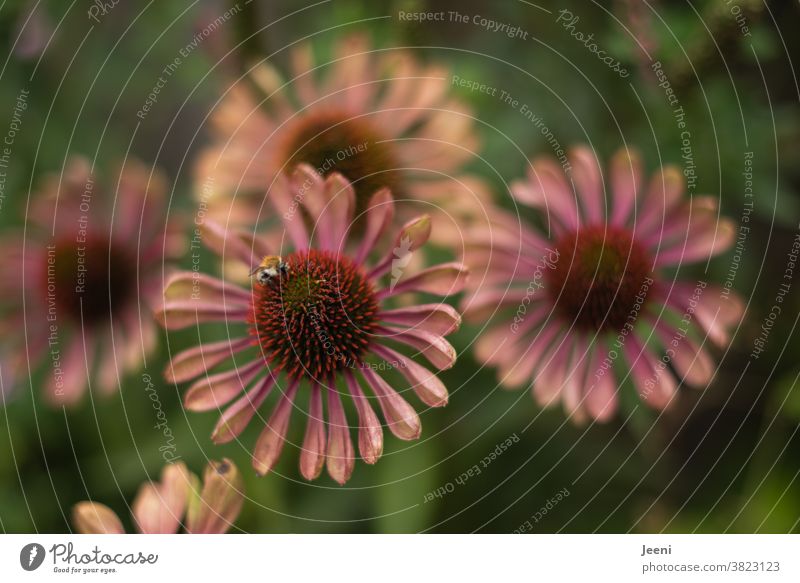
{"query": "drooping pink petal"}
{"type": "Point", "coordinates": [575, 380]}
{"type": "Point", "coordinates": [193, 362]}
{"type": "Point", "coordinates": [312, 457]}
{"type": "Point", "coordinates": [692, 362]}
{"type": "Point", "coordinates": [272, 439]}
{"type": "Point", "coordinates": [438, 319]}
{"type": "Point", "coordinates": [178, 314]}
{"type": "Point", "coordinates": [340, 454]}
{"type": "Point", "coordinates": [653, 379]}
{"type": "Point", "coordinates": [550, 379]}
{"type": "Point", "coordinates": [439, 352]}
{"type": "Point", "coordinates": [236, 417]}
{"type": "Point", "coordinates": [520, 370]}
{"type": "Point", "coordinates": [428, 387]}
{"type": "Point", "coordinates": [401, 417]}
{"type": "Point", "coordinates": [601, 387]}
{"type": "Point", "coordinates": [370, 431]}
{"type": "Point", "coordinates": [214, 391]}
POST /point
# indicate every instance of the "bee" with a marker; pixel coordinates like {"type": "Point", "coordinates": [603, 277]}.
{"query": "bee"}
{"type": "Point", "coordinates": [271, 267]}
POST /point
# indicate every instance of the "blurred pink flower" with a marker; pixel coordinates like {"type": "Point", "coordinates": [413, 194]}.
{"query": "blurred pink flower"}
{"type": "Point", "coordinates": [604, 284]}
{"type": "Point", "coordinates": [72, 281]}
{"type": "Point", "coordinates": [178, 500]}
{"type": "Point", "coordinates": [324, 322]}
{"type": "Point", "coordinates": [377, 116]}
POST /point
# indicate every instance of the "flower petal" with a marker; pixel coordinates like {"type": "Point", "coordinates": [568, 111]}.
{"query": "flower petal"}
{"type": "Point", "coordinates": [401, 417]}
{"type": "Point", "coordinates": [219, 502]}
{"type": "Point", "coordinates": [370, 431]}
{"type": "Point", "coordinates": [626, 182]}
{"type": "Point", "coordinates": [588, 180]}
{"type": "Point", "coordinates": [439, 352]}
{"type": "Point", "coordinates": [654, 382]}
{"type": "Point", "coordinates": [178, 314]}
{"type": "Point", "coordinates": [193, 362]}
{"type": "Point", "coordinates": [378, 218]}
{"type": "Point", "coordinates": [95, 518]}
{"type": "Point", "coordinates": [200, 287]}
{"type": "Point", "coordinates": [211, 392]}
{"type": "Point", "coordinates": [340, 454]}
{"type": "Point", "coordinates": [428, 387]}
{"type": "Point", "coordinates": [438, 319]}
{"type": "Point", "coordinates": [312, 457]}
{"type": "Point", "coordinates": [272, 439]}
{"type": "Point", "coordinates": [236, 417]}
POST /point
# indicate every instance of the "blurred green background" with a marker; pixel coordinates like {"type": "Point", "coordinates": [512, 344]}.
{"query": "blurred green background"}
{"type": "Point", "coordinates": [726, 459]}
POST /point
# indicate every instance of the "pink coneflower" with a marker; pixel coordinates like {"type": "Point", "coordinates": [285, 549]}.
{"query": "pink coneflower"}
{"type": "Point", "coordinates": [378, 117]}
{"type": "Point", "coordinates": [77, 282]}
{"type": "Point", "coordinates": [323, 322]}
{"type": "Point", "coordinates": [604, 290]}
{"type": "Point", "coordinates": [177, 500]}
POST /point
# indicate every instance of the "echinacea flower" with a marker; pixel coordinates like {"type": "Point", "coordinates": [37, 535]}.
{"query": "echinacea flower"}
{"type": "Point", "coordinates": [377, 116]}
{"type": "Point", "coordinates": [179, 499]}
{"type": "Point", "coordinates": [605, 289]}
{"type": "Point", "coordinates": [322, 323]}
{"type": "Point", "coordinates": [77, 285]}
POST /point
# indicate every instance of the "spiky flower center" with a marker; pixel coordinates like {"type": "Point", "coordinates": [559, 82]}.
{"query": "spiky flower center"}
{"type": "Point", "coordinates": [333, 141]}
{"type": "Point", "coordinates": [90, 281]}
{"type": "Point", "coordinates": [318, 318]}
{"type": "Point", "coordinates": [602, 275]}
